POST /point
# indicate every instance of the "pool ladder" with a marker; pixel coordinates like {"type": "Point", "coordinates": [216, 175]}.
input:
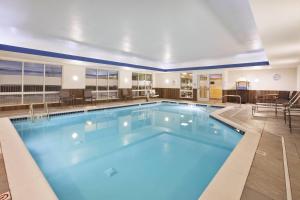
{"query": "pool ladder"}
{"type": "Point", "coordinates": [34, 116]}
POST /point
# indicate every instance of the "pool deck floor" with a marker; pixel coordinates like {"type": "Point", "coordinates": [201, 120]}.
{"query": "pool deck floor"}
{"type": "Point", "coordinates": [266, 180]}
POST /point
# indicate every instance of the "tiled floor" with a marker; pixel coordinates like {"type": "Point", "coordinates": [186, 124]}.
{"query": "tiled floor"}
{"type": "Point", "coordinates": [266, 179]}
{"type": "Point", "coordinates": [3, 180]}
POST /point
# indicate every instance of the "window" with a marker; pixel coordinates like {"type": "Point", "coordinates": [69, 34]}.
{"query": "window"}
{"type": "Point", "coordinates": [26, 82]}
{"type": "Point", "coordinates": [113, 84]}
{"type": "Point", "coordinates": [91, 79]}
{"type": "Point", "coordinates": [103, 83]}
{"type": "Point", "coordinates": [53, 74]}
{"type": "Point", "coordinates": [33, 85]}
{"type": "Point", "coordinates": [10, 82]}
{"type": "Point", "coordinates": [141, 82]}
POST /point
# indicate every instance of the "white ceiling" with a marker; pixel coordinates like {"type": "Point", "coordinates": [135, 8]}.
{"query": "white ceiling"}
{"type": "Point", "coordinates": [159, 33]}
{"type": "Point", "coordinates": [279, 27]}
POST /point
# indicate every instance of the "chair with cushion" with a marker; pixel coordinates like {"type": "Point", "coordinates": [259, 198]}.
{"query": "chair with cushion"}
{"type": "Point", "coordinates": [151, 94]}
{"type": "Point", "coordinates": [125, 94]}
{"type": "Point", "coordinates": [65, 97]}
{"type": "Point", "coordinates": [283, 97]}
{"type": "Point", "coordinates": [89, 97]}
{"type": "Point", "coordinates": [292, 110]}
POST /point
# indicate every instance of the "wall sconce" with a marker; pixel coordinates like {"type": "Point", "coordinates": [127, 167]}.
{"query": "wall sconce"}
{"type": "Point", "coordinates": [75, 78]}
{"type": "Point", "coordinates": [167, 81]}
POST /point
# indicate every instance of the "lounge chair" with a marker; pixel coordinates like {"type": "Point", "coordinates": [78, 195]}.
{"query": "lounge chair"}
{"type": "Point", "coordinates": [265, 101]}
{"type": "Point", "coordinates": [151, 94]}
{"type": "Point", "coordinates": [279, 102]}
{"type": "Point", "coordinates": [292, 109]}
{"type": "Point", "coordinates": [283, 97]}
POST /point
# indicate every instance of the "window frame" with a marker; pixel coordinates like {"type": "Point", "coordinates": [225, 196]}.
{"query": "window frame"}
{"type": "Point", "coordinates": [23, 93]}
{"type": "Point", "coordinates": [142, 90]}
{"type": "Point", "coordinates": [107, 93]}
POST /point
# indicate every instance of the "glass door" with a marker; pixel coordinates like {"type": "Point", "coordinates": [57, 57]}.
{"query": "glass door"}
{"type": "Point", "coordinates": [203, 87]}
{"type": "Point", "coordinates": [186, 85]}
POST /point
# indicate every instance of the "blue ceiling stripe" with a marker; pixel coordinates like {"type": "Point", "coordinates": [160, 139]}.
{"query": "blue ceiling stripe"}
{"type": "Point", "coordinates": [16, 49]}
{"type": "Point", "coordinates": [71, 57]}
{"type": "Point", "coordinates": [251, 64]}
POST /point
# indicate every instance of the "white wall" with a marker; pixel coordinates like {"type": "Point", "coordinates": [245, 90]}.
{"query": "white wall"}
{"type": "Point", "coordinates": [69, 74]}
{"type": "Point", "coordinates": [125, 79]}
{"type": "Point", "coordinates": [207, 72]}
{"type": "Point", "coordinates": [260, 79]}
{"type": "Point", "coordinates": [263, 79]}
{"type": "Point", "coordinates": [167, 80]}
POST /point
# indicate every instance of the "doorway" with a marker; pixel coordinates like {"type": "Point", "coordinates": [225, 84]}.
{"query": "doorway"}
{"type": "Point", "coordinates": [203, 89]}
{"type": "Point", "coordinates": [209, 87]}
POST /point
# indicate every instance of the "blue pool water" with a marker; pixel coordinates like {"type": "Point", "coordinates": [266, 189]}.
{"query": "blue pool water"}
{"type": "Point", "coordinates": [159, 151]}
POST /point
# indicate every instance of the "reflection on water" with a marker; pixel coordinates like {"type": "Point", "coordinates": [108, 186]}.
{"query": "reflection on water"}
{"type": "Point", "coordinates": [70, 142]}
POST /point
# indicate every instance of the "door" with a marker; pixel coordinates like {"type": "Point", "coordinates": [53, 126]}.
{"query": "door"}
{"type": "Point", "coordinates": [203, 87]}
{"type": "Point", "coordinates": [215, 83]}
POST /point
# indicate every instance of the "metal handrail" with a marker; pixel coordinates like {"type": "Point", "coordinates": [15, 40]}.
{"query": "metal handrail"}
{"type": "Point", "coordinates": [237, 96]}
{"type": "Point", "coordinates": [46, 110]}
{"type": "Point", "coordinates": [32, 115]}
{"type": "Point", "coordinates": [31, 112]}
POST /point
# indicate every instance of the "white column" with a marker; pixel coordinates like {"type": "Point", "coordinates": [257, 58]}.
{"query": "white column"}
{"type": "Point", "coordinates": [125, 79]}
{"type": "Point", "coordinates": [298, 78]}
{"type": "Point", "coordinates": [195, 81]}
{"type": "Point", "coordinates": [225, 79]}
{"type": "Point", "coordinates": [73, 77]}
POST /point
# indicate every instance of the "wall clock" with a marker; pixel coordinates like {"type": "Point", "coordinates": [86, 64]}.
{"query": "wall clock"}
{"type": "Point", "coordinates": [276, 77]}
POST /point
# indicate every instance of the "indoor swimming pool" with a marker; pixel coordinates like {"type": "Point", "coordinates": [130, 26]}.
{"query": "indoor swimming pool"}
{"type": "Point", "coordinates": [162, 151]}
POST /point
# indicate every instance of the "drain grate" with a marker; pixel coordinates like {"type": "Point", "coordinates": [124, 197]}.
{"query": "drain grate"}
{"type": "Point", "coordinates": [109, 172]}
{"type": "Point", "coordinates": [261, 152]}
{"type": "Point", "coordinates": [5, 196]}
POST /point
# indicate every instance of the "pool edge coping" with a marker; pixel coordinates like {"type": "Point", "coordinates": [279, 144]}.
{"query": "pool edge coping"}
{"type": "Point", "coordinates": [231, 178]}
{"type": "Point", "coordinates": [11, 139]}
{"type": "Point", "coordinates": [25, 179]}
